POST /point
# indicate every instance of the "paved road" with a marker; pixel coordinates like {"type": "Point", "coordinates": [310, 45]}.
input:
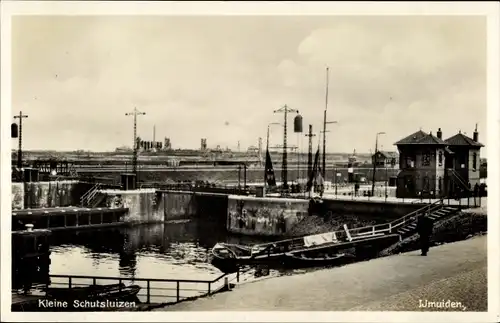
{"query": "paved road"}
{"type": "Point", "coordinates": [455, 272]}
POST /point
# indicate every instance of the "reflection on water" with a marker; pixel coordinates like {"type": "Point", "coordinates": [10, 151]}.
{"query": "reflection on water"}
{"type": "Point", "coordinates": [161, 251]}
{"type": "Point", "coordinates": [173, 250]}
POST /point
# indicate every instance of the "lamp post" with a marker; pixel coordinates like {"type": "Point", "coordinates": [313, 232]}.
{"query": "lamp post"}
{"type": "Point", "coordinates": [375, 161]}
{"type": "Point", "coordinates": [21, 116]}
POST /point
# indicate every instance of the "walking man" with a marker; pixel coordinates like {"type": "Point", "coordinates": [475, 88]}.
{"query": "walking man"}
{"type": "Point", "coordinates": [424, 228]}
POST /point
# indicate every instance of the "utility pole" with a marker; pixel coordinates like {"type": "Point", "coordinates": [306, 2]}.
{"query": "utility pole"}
{"type": "Point", "coordinates": [323, 172]}
{"type": "Point", "coordinates": [135, 113]}
{"type": "Point", "coordinates": [21, 116]}
{"type": "Point", "coordinates": [285, 109]}
{"type": "Point", "coordinates": [374, 160]}
{"type": "Point", "coordinates": [309, 155]}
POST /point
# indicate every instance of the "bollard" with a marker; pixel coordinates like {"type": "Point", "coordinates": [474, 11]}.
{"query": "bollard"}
{"type": "Point", "coordinates": [226, 283]}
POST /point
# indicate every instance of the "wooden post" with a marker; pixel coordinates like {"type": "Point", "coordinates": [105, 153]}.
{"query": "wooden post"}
{"type": "Point", "coordinates": [178, 291]}
{"type": "Point", "coordinates": [148, 300]}
{"type": "Point", "coordinates": [69, 282]}
{"type": "Point", "coordinates": [209, 288]}
{"type": "Point", "coordinates": [65, 220]}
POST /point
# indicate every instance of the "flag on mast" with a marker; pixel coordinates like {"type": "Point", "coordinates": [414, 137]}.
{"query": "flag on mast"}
{"type": "Point", "coordinates": [312, 175]}
{"type": "Point", "coordinates": [270, 178]}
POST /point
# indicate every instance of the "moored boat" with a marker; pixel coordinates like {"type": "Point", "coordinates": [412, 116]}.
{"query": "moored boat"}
{"type": "Point", "coordinates": [313, 250]}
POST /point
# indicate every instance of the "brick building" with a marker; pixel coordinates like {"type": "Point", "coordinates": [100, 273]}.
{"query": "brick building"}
{"type": "Point", "coordinates": [432, 167]}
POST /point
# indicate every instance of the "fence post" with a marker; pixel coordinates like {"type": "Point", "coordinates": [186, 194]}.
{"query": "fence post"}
{"type": "Point", "coordinates": [69, 282]}
{"type": "Point", "coordinates": [390, 227]}
{"type": "Point", "coordinates": [178, 291]}
{"type": "Point", "coordinates": [209, 288]}
{"type": "Point", "coordinates": [94, 281]}
{"type": "Point", "coordinates": [238, 275]}
{"type": "Point", "coordinates": [148, 299]}
{"type": "Point", "coordinates": [120, 285]}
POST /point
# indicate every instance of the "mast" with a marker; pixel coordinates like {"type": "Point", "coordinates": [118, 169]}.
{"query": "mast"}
{"type": "Point", "coordinates": [324, 125]}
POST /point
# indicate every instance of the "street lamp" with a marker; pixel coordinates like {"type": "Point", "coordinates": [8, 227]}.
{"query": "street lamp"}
{"type": "Point", "coordinates": [21, 116]}
{"type": "Point", "coordinates": [374, 160]}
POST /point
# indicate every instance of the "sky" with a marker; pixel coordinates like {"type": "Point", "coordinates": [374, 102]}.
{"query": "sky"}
{"type": "Point", "coordinates": [221, 78]}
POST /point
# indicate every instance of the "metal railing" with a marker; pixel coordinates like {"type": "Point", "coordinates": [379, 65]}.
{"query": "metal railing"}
{"type": "Point", "coordinates": [217, 188]}
{"type": "Point", "coordinates": [153, 290]}
{"type": "Point", "coordinates": [88, 197]}
{"type": "Point", "coordinates": [461, 181]}
{"type": "Point", "coordinates": [361, 232]}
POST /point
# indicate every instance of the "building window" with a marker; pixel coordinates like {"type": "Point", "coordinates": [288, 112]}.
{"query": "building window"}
{"type": "Point", "coordinates": [474, 161]}
{"type": "Point", "coordinates": [426, 159]}
{"type": "Point", "coordinates": [410, 162]}
{"type": "Point", "coordinates": [440, 158]}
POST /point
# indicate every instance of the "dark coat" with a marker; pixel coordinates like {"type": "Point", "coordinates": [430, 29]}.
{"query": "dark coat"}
{"type": "Point", "coordinates": [424, 226]}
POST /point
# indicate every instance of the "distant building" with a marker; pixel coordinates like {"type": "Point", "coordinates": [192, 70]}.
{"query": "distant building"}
{"type": "Point", "coordinates": [386, 159]}
{"type": "Point", "coordinates": [431, 166]}
{"type": "Point", "coordinates": [203, 144]}
{"type": "Point", "coordinates": [167, 144]}
{"type": "Point", "coordinates": [123, 149]}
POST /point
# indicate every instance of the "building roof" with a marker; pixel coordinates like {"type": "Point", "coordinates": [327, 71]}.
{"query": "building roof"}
{"type": "Point", "coordinates": [420, 138]}
{"type": "Point", "coordinates": [462, 140]}
{"type": "Point", "coordinates": [389, 154]}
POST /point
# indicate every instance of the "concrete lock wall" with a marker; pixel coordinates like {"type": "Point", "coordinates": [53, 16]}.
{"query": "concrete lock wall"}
{"type": "Point", "coordinates": [264, 216]}
{"type": "Point", "coordinates": [144, 206]}
{"type": "Point", "coordinates": [179, 205]}
{"type": "Point", "coordinates": [45, 194]}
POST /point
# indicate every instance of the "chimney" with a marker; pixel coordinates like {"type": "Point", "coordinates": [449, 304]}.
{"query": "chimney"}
{"type": "Point", "coordinates": [476, 135]}
{"type": "Point", "coordinates": [439, 134]}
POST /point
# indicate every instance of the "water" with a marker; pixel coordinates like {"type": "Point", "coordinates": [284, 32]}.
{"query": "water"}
{"type": "Point", "coordinates": [173, 250]}
{"type": "Point", "coordinates": [162, 251]}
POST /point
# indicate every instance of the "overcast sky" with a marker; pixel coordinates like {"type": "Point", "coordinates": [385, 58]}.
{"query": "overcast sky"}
{"type": "Point", "coordinates": [220, 78]}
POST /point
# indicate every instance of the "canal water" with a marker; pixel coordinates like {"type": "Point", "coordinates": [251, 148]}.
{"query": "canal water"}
{"type": "Point", "coordinates": [167, 251]}
{"type": "Point", "coordinates": [179, 250]}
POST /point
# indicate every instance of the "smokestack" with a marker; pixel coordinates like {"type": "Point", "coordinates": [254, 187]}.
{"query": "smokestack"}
{"type": "Point", "coordinates": [440, 134]}
{"type": "Point", "coordinates": [475, 135]}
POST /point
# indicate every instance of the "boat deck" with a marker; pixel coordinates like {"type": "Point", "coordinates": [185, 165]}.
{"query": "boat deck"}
{"type": "Point", "coordinates": [63, 210]}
